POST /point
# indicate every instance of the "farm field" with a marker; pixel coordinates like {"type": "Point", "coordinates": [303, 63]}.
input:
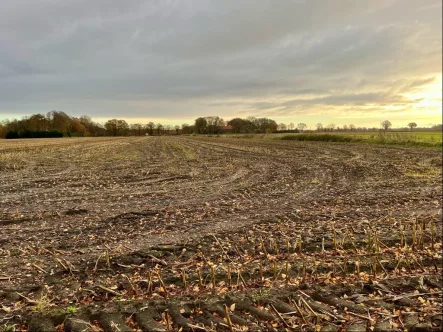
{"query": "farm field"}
{"type": "Point", "coordinates": [432, 139]}
{"type": "Point", "coordinates": [196, 233]}
{"type": "Point", "coordinates": [413, 136]}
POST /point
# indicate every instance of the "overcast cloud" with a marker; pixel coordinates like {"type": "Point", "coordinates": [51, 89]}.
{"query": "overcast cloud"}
{"type": "Point", "coordinates": [176, 60]}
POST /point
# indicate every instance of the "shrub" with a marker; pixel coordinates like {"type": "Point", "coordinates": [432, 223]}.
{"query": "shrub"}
{"type": "Point", "coordinates": [318, 138]}
{"type": "Point", "coordinates": [33, 134]}
{"type": "Point", "coordinates": [12, 134]}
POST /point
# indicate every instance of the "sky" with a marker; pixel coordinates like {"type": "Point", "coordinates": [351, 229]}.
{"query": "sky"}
{"type": "Point", "coordinates": [171, 61]}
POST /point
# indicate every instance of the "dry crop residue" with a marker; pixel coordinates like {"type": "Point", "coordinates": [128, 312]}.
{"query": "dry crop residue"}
{"type": "Point", "coordinates": [204, 233]}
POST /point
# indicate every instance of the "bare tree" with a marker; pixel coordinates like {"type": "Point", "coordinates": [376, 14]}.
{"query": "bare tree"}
{"type": "Point", "coordinates": [352, 127]}
{"type": "Point", "coordinates": [301, 126]}
{"type": "Point", "coordinates": [115, 127]}
{"type": "Point", "coordinates": [291, 126]}
{"type": "Point", "coordinates": [168, 129]}
{"type": "Point", "coordinates": [281, 127]}
{"type": "Point", "coordinates": [93, 129]}
{"type": "Point", "coordinates": [319, 126]}
{"type": "Point", "coordinates": [412, 125]}
{"type": "Point", "coordinates": [214, 123]}
{"type": "Point", "coordinates": [331, 127]}
{"type": "Point", "coordinates": [136, 129]}
{"type": "Point", "coordinates": [386, 124]}
{"type": "Point", "coordinates": [159, 127]}
{"type": "Point", "coordinates": [150, 127]}
{"type": "Point", "coordinates": [200, 125]}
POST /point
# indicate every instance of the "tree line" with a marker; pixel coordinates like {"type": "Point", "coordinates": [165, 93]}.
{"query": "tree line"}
{"type": "Point", "coordinates": [59, 124]}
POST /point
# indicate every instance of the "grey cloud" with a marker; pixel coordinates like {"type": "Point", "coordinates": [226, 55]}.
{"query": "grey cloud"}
{"type": "Point", "coordinates": [342, 52]}
{"type": "Point", "coordinates": [337, 100]}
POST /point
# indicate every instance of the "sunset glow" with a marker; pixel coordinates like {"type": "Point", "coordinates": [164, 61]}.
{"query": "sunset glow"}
{"type": "Point", "coordinates": [158, 61]}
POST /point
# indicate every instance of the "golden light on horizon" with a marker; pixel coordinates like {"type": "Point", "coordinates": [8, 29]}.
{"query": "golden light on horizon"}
{"type": "Point", "coordinates": [429, 98]}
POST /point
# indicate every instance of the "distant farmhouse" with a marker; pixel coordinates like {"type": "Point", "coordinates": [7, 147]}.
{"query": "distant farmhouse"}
{"type": "Point", "coordinates": [226, 129]}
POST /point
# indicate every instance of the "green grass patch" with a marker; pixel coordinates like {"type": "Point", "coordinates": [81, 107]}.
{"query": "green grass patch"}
{"type": "Point", "coordinates": [424, 139]}
{"type": "Point", "coordinates": [318, 138]}
{"type": "Point", "coordinates": [71, 309]}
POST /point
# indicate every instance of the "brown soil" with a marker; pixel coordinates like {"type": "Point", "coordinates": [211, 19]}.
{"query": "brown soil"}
{"type": "Point", "coordinates": [170, 233]}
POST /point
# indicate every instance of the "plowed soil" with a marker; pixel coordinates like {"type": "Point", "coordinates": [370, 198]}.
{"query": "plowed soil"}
{"type": "Point", "coordinates": [209, 233]}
